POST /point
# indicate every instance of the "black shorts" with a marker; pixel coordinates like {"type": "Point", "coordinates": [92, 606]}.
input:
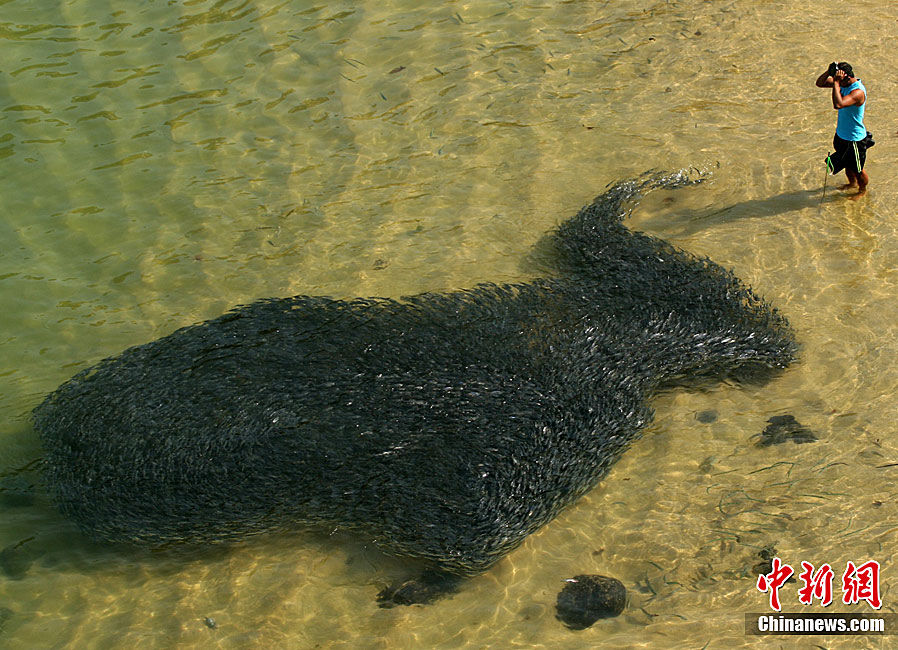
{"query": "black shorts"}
{"type": "Point", "coordinates": [850, 155]}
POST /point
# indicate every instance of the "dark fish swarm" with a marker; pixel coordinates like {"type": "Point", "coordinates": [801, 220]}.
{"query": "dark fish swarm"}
{"type": "Point", "coordinates": [443, 426]}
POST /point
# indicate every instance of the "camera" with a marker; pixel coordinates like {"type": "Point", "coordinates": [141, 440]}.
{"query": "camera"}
{"type": "Point", "coordinates": [833, 67]}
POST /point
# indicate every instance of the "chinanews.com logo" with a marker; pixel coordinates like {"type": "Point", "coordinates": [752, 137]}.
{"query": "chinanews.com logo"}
{"type": "Point", "coordinates": [859, 586]}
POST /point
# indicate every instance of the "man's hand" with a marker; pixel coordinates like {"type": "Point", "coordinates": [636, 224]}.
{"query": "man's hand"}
{"type": "Point", "coordinates": [825, 80]}
{"type": "Point", "coordinates": [855, 98]}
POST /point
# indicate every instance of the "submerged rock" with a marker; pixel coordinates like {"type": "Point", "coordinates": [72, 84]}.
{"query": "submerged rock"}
{"type": "Point", "coordinates": [15, 560]}
{"type": "Point", "coordinates": [587, 598]}
{"type": "Point", "coordinates": [765, 566]}
{"type": "Point", "coordinates": [6, 615]}
{"type": "Point", "coordinates": [783, 428]}
{"type": "Point", "coordinates": [16, 492]}
{"type": "Point", "coordinates": [443, 426]}
{"type": "Point", "coordinates": [422, 590]}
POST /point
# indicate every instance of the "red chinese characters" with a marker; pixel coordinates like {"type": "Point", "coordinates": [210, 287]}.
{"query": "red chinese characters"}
{"type": "Point", "coordinates": [817, 585]}
{"type": "Point", "coordinates": [774, 580]}
{"type": "Point", "coordinates": [861, 583]}
{"type": "Point", "coordinates": [858, 583]}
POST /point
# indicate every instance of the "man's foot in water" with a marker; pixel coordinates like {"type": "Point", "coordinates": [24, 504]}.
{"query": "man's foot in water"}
{"type": "Point", "coordinates": [858, 180]}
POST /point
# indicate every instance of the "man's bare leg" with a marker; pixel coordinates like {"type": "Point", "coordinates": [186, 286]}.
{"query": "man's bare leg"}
{"type": "Point", "coordinates": [852, 180]}
{"type": "Point", "coordinates": [862, 180]}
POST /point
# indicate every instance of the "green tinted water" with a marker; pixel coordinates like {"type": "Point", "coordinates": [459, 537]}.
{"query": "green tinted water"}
{"type": "Point", "coordinates": [168, 160]}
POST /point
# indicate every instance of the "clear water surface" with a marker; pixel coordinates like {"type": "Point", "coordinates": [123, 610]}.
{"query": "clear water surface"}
{"type": "Point", "coordinates": [163, 161]}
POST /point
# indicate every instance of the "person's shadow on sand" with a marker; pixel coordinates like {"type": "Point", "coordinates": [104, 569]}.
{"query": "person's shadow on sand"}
{"type": "Point", "coordinates": [684, 223]}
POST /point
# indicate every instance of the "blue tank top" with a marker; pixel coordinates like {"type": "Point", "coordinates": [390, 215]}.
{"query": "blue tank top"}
{"type": "Point", "coordinates": [850, 123]}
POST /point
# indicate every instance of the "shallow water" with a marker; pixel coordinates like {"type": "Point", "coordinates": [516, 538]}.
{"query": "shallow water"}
{"type": "Point", "coordinates": [165, 163]}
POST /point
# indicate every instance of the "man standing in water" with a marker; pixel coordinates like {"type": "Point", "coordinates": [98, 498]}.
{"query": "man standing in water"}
{"type": "Point", "coordinates": [851, 139]}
